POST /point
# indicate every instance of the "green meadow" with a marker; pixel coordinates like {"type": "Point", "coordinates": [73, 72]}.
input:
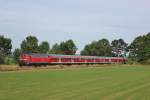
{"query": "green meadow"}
{"type": "Point", "coordinates": [95, 83]}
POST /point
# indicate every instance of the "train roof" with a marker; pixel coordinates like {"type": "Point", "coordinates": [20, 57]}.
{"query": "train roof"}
{"type": "Point", "coordinates": [66, 56]}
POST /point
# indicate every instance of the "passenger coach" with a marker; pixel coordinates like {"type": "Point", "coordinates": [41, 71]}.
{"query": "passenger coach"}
{"type": "Point", "coordinates": [45, 59]}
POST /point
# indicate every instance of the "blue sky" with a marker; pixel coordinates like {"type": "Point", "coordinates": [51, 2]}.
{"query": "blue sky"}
{"type": "Point", "coordinates": [80, 20]}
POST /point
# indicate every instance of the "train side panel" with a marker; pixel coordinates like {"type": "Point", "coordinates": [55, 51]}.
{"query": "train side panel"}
{"type": "Point", "coordinates": [29, 59]}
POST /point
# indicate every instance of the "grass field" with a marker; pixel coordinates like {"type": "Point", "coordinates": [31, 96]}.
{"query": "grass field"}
{"type": "Point", "coordinates": [102, 83]}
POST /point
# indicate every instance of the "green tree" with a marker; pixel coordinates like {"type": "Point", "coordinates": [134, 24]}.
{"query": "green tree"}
{"type": "Point", "coordinates": [119, 47]}
{"type": "Point", "coordinates": [5, 48]}
{"type": "Point", "coordinates": [104, 48]}
{"type": "Point", "coordinates": [30, 45]}
{"type": "Point", "coordinates": [44, 47]}
{"type": "Point", "coordinates": [62, 48]}
{"type": "Point", "coordinates": [86, 50]}
{"type": "Point", "coordinates": [68, 48]}
{"type": "Point", "coordinates": [97, 48]}
{"type": "Point", "coordinates": [5, 45]}
{"type": "Point", "coordinates": [55, 49]}
{"type": "Point", "coordinates": [140, 48]}
{"type": "Point", "coordinates": [120, 43]}
{"type": "Point", "coordinates": [16, 54]}
{"type": "Point", "coordinates": [2, 57]}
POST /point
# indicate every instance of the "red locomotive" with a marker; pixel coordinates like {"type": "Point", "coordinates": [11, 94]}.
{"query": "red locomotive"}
{"type": "Point", "coordinates": [45, 59]}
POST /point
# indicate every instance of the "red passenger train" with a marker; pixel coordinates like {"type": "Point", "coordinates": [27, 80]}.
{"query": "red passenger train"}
{"type": "Point", "coordinates": [45, 59]}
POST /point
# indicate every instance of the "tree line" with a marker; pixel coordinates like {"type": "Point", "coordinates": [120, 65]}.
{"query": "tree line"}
{"type": "Point", "coordinates": [138, 50]}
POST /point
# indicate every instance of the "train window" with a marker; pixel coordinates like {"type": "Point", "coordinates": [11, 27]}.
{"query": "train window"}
{"type": "Point", "coordinates": [55, 59]}
{"type": "Point", "coordinates": [82, 59]}
{"type": "Point", "coordinates": [76, 59]}
{"type": "Point", "coordinates": [65, 58]}
{"type": "Point", "coordinates": [68, 59]}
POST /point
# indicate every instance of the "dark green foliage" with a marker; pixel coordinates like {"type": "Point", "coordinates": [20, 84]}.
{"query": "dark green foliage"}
{"type": "Point", "coordinates": [30, 45]}
{"type": "Point", "coordinates": [140, 48]}
{"type": "Point", "coordinates": [119, 47]}
{"type": "Point", "coordinates": [5, 48]}
{"type": "Point", "coordinates": [62, 48]}
{"type": "Point", "coordinates": [9, 60]}
{"type": "Point", "coordinates": [16, 54]}
{"type": "Point", "coordinates": [5, 45]}
{"type": "Point", "coordinates": [67, 48]}
{"type": "Point", "coordinates": [87, 50]}
{"type": "Point", "coordinates": [2, 57]}
{"type": "Point", "coordinates": [44, 47]}
{"type": "Point", "coordinates": [97, 48]}
{"type": "Point", "coordinates": [55, 49]}
{"type": "Point", "coordinates": [119, 43]}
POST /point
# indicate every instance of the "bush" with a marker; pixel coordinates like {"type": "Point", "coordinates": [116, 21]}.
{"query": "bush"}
{"type": "Point", "coordinates": [9, 60]}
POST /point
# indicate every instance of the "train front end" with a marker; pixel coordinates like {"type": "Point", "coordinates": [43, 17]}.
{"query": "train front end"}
{"type": "Point", "coordinates": [24, 59]}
